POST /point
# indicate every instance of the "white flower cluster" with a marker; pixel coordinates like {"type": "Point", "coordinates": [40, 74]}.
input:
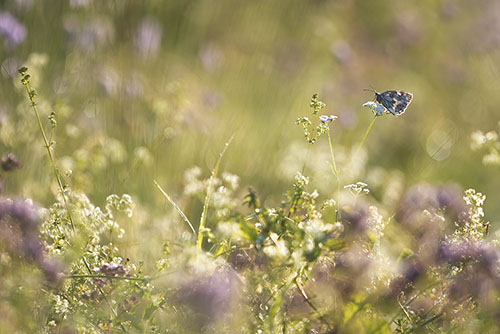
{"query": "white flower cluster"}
{"type": "Point", "coordinates": [487, 141]}
{"type": "Point", "coordinates": [358, 188]}
{"type": "Point", "coordinates": [378, 109]}
{"type": "Point", "coordinates": [475, 227]}
{"type": "Point", "coordinates": [376, 222]}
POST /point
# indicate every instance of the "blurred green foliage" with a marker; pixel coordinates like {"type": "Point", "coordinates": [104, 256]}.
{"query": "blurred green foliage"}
{"type": "Point", "coordinates": [144, 90]}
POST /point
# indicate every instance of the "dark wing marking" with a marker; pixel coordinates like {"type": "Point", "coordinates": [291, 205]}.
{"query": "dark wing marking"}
{"type": "Point", "coordinates": [395, 101]}
{"type": "Point", "coordinates": [387, 100]}
{"type": "Point", "coordinates": [403, 100]}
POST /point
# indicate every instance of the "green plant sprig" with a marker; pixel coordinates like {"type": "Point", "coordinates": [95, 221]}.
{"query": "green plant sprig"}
{"type": "Point", "coordinates": [48, 143]}
{"type": "Point", "coordinates": [313, 130]}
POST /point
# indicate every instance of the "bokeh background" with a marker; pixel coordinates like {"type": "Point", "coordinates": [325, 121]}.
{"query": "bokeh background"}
{"type": "Point", "coordinates": [145, 90]}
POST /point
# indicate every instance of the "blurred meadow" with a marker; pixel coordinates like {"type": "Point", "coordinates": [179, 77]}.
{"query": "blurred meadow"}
{"type": "Point", "coordinates": [146, 90]}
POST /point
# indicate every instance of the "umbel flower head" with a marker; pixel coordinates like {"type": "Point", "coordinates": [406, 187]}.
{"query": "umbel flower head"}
{"type": "Point", "coordinates": [377, 109]}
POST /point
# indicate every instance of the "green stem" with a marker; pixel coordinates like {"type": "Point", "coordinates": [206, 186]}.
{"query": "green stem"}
{"type": "Point", "coordinates": [305, 161]}
{"type": "Point", "coordinates": [333, 156]}
{"type": "Point", "coordinates": [366, 133]}
{"type": "Point", "coordinates": [307, 300]}
{"type": "Point", "coordinates": [108, 277]}
{"type": "Point", "coordinates": [49, 151]}
{"type": "Point", "coordinates": [335, 170]}
{"type": "Point", "coordinates": [203, 217]}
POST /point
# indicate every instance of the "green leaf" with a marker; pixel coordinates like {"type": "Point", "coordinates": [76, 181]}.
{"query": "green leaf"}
{"type": "Point", "coordinates": [248, 231]}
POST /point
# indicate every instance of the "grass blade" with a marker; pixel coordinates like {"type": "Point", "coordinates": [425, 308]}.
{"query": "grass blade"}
{"type": "Point", "coordinates": [175, 206]}
{"type": "Point", "coordinates": [203, 217]}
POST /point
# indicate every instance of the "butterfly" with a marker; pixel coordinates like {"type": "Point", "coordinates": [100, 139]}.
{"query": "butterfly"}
{"type": "Point", "coordinates": [394, 101]}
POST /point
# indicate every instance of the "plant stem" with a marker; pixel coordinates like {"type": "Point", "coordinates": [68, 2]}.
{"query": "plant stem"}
{"type": "Point", "coordinates": [49, 152]}
{"type": "Point", "coordinates": [307, 300]}
{"type": "Point", "coordinates": [108, 277]}
{"type": "Point", "coordinates": [366, 133]}
{"type": "Point", "coordinates": [307, 155]}
{"type": "Point", "coordinates": [203, 217]}
{"type": "Point", "coordinates": [48, 146]}
{"type": "Point", "coordinates": [335, 170]}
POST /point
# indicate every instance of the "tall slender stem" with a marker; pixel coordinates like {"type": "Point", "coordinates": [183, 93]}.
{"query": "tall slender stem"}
{"type": "Point", "coordinates": [307, 155]}
{"type": "Point", "coordinates": [49, 151]}
{"type": "Point", "coordinates": [203, 217]}
{"type": "Point", "coordinates": [335, 170]}
{"type": "Point", "coordinates": [366, 133]}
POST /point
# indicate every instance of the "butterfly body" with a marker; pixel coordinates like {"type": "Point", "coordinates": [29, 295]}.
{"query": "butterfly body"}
{"type": "Point", "coordinates": [395, 101]}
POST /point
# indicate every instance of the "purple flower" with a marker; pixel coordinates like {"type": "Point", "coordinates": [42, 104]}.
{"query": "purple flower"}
{"type": "Point", "coordinates": [211, 57]}
{"type": "Point", "coordinates": [148, 37]}
{"type": "Point", "coordinates": [479, 277]}
{"type": "Point", "coordinates": [210, 297]}
{"type": "Point", "coordinates": [9, 162]}
{"type": "Point", "coordinates": [113, 269]}
{"type": "Point", "coordinates": [341, 50]}
{"type": "Point", "coordinates": [21, 211]}
{"type": "Point", "coordinates": [482, 254]}
{"type": "Point", "coordinates": [356, 219]}
{"type": "Point", "coordinates": [412, 270]}
{"type": "Point", "coordinates": [89, 35]}
{"type": "Point", "coordinates": [446, 200]}
{"type": "Point", "coordinates": [19, 231]}
{"type": "Point", "coordinates": [12, 31]}
{"type": "Point", "coordinates": [351, 271]}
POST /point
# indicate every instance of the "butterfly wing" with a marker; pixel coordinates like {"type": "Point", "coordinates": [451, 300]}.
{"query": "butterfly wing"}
{"type": "Point", "coordinates": [403, 100]}
{"type": "Point", "coordinates": [387, 100]}
{"type": "Point", "coordinates": [395, 101]}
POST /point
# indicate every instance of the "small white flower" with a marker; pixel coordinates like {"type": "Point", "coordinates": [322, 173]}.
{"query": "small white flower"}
{"type": "Point", "coordinates": [375, 107]}
{"type": "Point", "coordinates": [324, 118]}
{"type": "Point", "coordinates": [478, 140]}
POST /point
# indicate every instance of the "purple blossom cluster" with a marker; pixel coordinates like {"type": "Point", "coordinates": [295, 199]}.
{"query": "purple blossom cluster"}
{"type": "Point", "coordinates": [210, 297]}
{"type": "Point", "coordinates": [19, 223]}
{"type": "Point", "coordinates": [109, 270]}
{"type": "Point", "coordinates": [10, 162]}
{"type": "Point", "coordinates": [147, 40]}
{"type": "Point", "coordinates": [426, 211]}
{"type": "Point", "coordinates": [12, 31]}
{"type": "Point", "coordinates": [112, 269]}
